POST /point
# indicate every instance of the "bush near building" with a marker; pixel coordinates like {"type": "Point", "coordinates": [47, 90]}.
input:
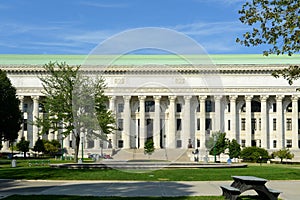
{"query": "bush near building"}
{"type": "Point", "coordinates": [254, 154]}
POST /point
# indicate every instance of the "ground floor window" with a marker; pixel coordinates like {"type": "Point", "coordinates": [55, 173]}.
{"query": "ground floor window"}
{"type": "Point", "coordinates": [179, 144]}
{"type": "Point", "coordinates": [274, 143]}
{"type": "Point", "coordinates": [120, 143]}
{"type": "Point", "coordinates": [288, 143]}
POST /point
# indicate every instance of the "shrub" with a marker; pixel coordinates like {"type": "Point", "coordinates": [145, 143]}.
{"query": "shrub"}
{"type": "Point", "coordinates": [254, 154]}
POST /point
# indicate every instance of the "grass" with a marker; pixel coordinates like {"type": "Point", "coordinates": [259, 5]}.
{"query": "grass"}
{"type": "Point", "coordinates": [270, 172]}
{"type": "Point", "coordinates": [50, 197]}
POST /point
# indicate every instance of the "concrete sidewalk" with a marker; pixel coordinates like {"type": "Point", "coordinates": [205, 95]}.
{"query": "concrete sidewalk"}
{"type": "Point", "coordinates": [289, 188]}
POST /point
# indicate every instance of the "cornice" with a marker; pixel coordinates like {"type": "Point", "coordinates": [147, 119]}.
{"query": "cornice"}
{"type": "Point", "coordinates": [156, 69]}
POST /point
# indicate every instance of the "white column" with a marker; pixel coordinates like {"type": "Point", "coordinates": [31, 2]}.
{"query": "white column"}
{"type": "Point", "coordinates": [126, 120]}
{"type": "Point", "coordinates": [264, 121]}
{"type": "Point", "coordinates": [233, 129]}
{"type": "Point", "coordinates": [280, 121]}
{"type": "Point", "coordinates": [171, 137]}
{"type": "Point", "coordinates": [248, 99]}
{"type": "Point", "coordinates": [186, 122]}
{"type": "Point", "coordinates": [143, 136]}
{"type": "Point", "coordinates": [156, 128]}
{"type": "Point", "coordinates": [217, 121]}
{"type": "Point", "coordinates": [202, 121]}
{"type": "Point", "coordinates": [295, 122]}
{"type": "Point", "coordinates": [35, 114]}
{"type": "Point", "coordinates": [112, 100]}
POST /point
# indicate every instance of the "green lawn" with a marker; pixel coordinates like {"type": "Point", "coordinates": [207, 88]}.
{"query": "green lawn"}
{"type": "Point", "coordinates": [268, 171]}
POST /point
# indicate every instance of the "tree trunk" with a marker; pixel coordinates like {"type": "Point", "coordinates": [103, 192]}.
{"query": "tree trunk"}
{"type": "Point", "coordinates": [77, 144]}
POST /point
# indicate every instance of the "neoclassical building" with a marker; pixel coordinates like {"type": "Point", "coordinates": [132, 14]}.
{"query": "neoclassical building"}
{"type": "Point", "coordinates": [177, 102]}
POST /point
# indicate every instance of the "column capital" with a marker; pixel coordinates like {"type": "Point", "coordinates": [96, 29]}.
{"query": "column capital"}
{"type": "Point", "coordinates": [279, 97]}
{"type": "Point", "coordinates": [295, 98]}
{"type": "Point", "coordinates": [202, 97]}
{"type": "Point", "coordinates": [248, 97]}
{"type": "Point", "coordinates": [142, 98]}
{"type": "Point", "coordinates": [187, 97]}
{"type": "Point", "coordinates": [264, 97]}
{"type": "Point", "coordinates": [35, 98]}
{"type": "Point", "coordinates": [233, 97]}
{"type": "Point", "coordinates": [21, 98]}
{"type": "Point", "coordinates": [218, 97]}
{"type": "Point", "coordinates": [157, 97]}
{"type": "Point", "coordinates": [112, 97]}
{"type": "Point", "coordinates": [127, 98]}
{"type": "Point", "coordinates": [172, 98]}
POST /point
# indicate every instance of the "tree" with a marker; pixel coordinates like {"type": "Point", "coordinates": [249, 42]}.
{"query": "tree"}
{"type": "Point", "coordinates": [273, 22]}
{"type": "Point", "coordinates": [254, 154]}
{"type": "Point", "coordinates": [39, 146]}
{"type": "Point", "coordinates": [283, 154]}
{"type": "Point", "coordinates": [23, 146]}
{"type": "Point", "coordinates": [10, 114]}
{"type": "Point", "coordinates": [234, 149]}
{"type": "Point", "coordinates": [219, 141]}
{"type": "Point", "coordinates": [74, 104]}
{"type": "Point", "coordinates": [51, 147]}
{"type": "Point", "coordinates": [149, 146]}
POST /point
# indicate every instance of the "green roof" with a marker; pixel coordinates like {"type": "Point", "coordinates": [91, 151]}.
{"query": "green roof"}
{"type": "Point", "coordinates": [149, 59]}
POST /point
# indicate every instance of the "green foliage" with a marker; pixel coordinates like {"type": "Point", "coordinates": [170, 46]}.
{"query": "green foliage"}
{"type": "Point", "coordinates": [74, 104]}
{"type": "Point", "coordinates": [10, 114]}
{"type": "Point", "coordinates": [254, 154]}
{"type": "Point", "coordinates": [23, 145]}
{"type": "Point", "coordinates": [219, 140]}
{"type": "Point", "coordinates": [273, 22]}
{"type": "Point", "coordinates": [234, 149]}
{"type": "Point", "coordinates": [51, 147]}
{"type": "Point", "coordinates": [149, 146]}
{"type": "Point", "coordinates": [283, 154]}
{"type": "Point", "coordinates": [291, 73]}
{"type": "Point", "coordinates": [39, 146]}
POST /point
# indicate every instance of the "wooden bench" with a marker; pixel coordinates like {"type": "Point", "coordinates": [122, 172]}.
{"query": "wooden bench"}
{"type": "Point", "coordinates": [229, 192]}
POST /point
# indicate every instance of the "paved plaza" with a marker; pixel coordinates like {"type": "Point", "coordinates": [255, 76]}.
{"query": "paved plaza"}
{"type": "Point", "coordinates": [289, 188]}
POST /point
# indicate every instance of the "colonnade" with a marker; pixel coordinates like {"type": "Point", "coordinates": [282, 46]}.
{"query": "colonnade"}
{"type": "Point", "coordinates": [188, 120]}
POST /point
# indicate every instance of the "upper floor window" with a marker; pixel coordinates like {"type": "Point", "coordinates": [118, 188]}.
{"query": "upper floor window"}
{"type": "Point", "coordinates": [178, 107]}
{"type": "Point", "coordinates": [149, 106]}
{"type": "Point", "coordinates": [209, 106]}
{"type": "Point", "coordinates": [120, 107]}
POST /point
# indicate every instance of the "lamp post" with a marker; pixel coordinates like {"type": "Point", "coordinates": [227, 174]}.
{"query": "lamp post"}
{"type": "Point", "coordinates": [215, 140]}
{"type": "Point", "coordinates": [82, 149]}
{"type": "Point", "coordinates": [62, 147]}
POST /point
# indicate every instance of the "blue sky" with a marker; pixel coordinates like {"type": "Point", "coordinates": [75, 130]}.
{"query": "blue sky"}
{"type": "Point", "coordinates": [78, 26]}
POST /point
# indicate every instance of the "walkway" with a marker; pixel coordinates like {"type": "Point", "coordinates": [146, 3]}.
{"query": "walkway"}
{"type": "Point", "coordinates": [289, 188]}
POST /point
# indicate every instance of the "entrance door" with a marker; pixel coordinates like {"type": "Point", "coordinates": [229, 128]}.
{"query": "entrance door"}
{"type": "Point", "coordinates": [149, 129]}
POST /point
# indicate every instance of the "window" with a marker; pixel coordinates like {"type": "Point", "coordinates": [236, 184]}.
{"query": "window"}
{"type": "Point", "coordinates": [259, 124]}
{"type": "Point", "coordinates": [178, 144]}
{"type": "Point", "coordinates": [229, 125]}
{"type": "Point", "coordinates": [178, 124]}
{"type": "Point", "coordinates": [198, 143]}
{"type": "Point", "coordinates": [253, 143]}
{"type": "Point", "coordinates": [288, 124]}
{"type": "Point", "coordinates": [120, 143]}
{"type": "Point", "coordinates": [228, 107]}
{"type": "Point", "coordinates": [198, 108]}
{"type": "Point", "coordinates": [208, 124]}
{"type": "Point", "coordinates": [288, 143]}
{"type": "Point", "coordinates": [25, 107]}
{"type": "Point", "coordinates": [198, 124]}
{"type": "Point", "coordinates": [41, 108]}
{"type": "Point", "coordinates": [120, 107]}
{"type": "Point", "coordinates": [274, 143]}
{"type": "Point", "coordinates": [289, 108]}
{"type": "Point", "coordinates": [209, 106]}
{"type": "Point", "coordinates": [243, 143]}
{"type": "Point", "coordinates": [253, 125]}
{"type": "Point", "coordinates": [243, 124]}
{"type": "Point", "coordinates": [178, 107]}
{"type": "Point", "coordinates": [25, 125]}
{"type": "Point", "coordinates": [149, 106]}
{"type": "Point", "coordinates": [120, 124]}
{"type": "Point", "coordinates": [274, 124]}
{"type": "Point", "coordinates": [274, 107]}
